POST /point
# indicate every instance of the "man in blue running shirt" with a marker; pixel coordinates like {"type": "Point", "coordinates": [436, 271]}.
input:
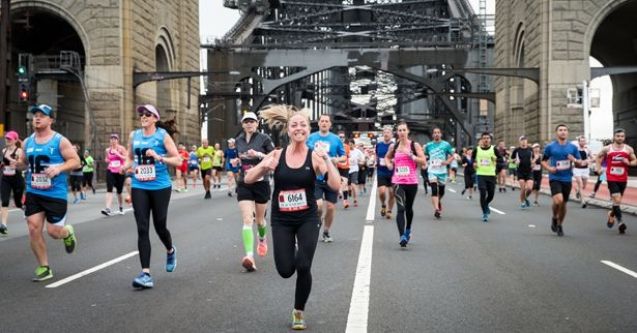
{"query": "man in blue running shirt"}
{"type": "Point", "coordinates": [326, 141]}
{"type": "Point", "coordinates": [558, 159]}
{"type": "Point", "coordinates": [383, 174]}
{"type": "Point", "coordinates": [439, 154]}
{"type": "Point", "coordinates": [48, 159]}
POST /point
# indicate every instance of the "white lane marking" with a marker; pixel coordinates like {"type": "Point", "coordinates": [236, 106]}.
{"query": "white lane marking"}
{"type": "Point", "coordinates": [452, 190]}
{"type": "Point", "coordinates": [371, 209]}
{"type": "Point", "coordinates": [91, 270]}
{"type": "Point", "coordinates": [359, 305]}
{"type": "Point", "coordinates": [497, 211]}
{"type": "Point", "coordinates": [531, 225]}
{"type": "Point", "coordinates": [619, 268]}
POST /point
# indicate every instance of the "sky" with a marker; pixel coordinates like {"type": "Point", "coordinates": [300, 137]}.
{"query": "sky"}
{"type": "Point", "coordinates": [215, 20]}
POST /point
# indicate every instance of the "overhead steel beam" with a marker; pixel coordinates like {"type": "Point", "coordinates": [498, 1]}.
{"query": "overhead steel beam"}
{"type": "Point", "coordinates": [618, 70]}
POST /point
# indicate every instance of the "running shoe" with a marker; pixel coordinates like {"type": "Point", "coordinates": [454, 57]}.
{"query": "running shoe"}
{"type": "Point", "coordinates": [143, 281]}
{"type": "Point", "coordinates": [388, 214]}
{"type": "Point", "coordinates": [355, 203]}
{"type": "Point", "coordinates": [584, 204]}
{"type": "Point", "coordinates": [611, 220]}
{"type": "Point", "coordinates": [536, 204]}
{"type": "Point", "coordinates": [345, 204]}
{"type": "Point", "coordinates": [4, 230]}
{"type": "Point", "coordinates": [121, 211]}
{"type": "Point", "coordinates": [523, 206]}
{"type": "Point", "coordinates": [553, 224]}
{"type": "Point", "coordinates": [327, 238]}
{"type": "Point", "coordinates": [42, 273]}
{"type": "Point", "coordinates": [107, 211]}
{"type": "Point", "coordinates": [383, 209]}
{"type": "Point", "coordinates": [578, 195]}
{"type": "Point", "coordinates": [485, 217]}
{"type": "Point", "coordinates": [560, 232]}
{"type": "Point", "coordinates": [171, 260]}
{"type": "Point", "coordinates": [298, 322]}
{"type": "Point", "coordinates": [463, 191]}
{"type": "Point", "coordinates": [230, 194]}
{"type": "Point", "coordinates": [70, 241]}
{"type": "Point", "coordinates": [248, 263]}
{"type": "Point", "coordinates": [527, 202]}
{"type": "Point", "coordinates": [622, 228]}
{"type": "Point", "coordinates": [207, 195]}
{"type": "Point", "coordinates": [408, 234]}
{"type": "Point", "coordinates": [262, 247]}
{"type": "Point", "coordinates": [403, 241]}
{"type": "Point", "coordinates": [437, 214]}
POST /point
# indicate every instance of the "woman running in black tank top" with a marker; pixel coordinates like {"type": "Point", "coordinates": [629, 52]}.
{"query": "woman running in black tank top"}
{"type": "Point", "coordinates": [295, 221]}
{"type": "Point", "coordinates": [12, 180]}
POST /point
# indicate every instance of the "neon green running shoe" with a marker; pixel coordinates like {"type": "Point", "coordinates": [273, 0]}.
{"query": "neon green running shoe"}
{"type": "Point", "coordinates": [298, 322]}
{"type": "Point", "coordinates": [42, 273]}
{"type": "Point", "coordinates": [70, 241]}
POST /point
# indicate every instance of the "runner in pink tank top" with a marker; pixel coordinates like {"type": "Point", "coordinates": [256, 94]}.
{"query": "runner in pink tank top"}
{"type": "Point", "coordinates": [403, 158]}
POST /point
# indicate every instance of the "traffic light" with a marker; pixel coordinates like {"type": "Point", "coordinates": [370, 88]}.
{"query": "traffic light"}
{"type": "Point", "coordinates": [22, 71]}
{"type": "Point", "coordinates": [23, 93]}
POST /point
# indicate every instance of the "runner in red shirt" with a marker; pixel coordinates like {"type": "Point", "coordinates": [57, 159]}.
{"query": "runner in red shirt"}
{"type": "Point", "coordinates": [619, 157]}
{"type": "Point", "coordinates": [182, 170]}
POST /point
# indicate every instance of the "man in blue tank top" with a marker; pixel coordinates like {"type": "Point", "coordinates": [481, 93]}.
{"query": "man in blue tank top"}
{"type": "Point", "coordinates": [49, 157]}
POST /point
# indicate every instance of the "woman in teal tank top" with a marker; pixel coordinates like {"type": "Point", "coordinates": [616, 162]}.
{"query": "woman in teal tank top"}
{"type": "Point", "coordinates": [150, 150]}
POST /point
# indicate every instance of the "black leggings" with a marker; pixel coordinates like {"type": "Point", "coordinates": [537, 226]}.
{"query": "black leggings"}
{"type": "Point", "coordinates": [15, 184]}
{"type": "Point", "coordinates": [405, 195]}
{"type": "Point", "coordinates": [145, 201]}
{"type": "Point", "coordinates": [76, 182]}
{"type": "Point", "coordinates": [486, 185]}
{"type": "Point", "coordinates": [289, 260]}
{"type": "Point", "coordinates": [87, 179]}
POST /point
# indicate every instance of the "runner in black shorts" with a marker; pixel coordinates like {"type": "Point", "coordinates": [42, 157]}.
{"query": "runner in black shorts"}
{"type": "Point", "coordinates": [523, 155]}
{"type": "Point", "coordinates": [383, 175]}
{"type": "Point", "coordinates": [501, 167]}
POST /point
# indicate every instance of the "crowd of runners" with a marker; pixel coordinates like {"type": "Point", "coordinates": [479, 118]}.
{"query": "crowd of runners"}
{"type": "Point", "coordinates": [305, 180]}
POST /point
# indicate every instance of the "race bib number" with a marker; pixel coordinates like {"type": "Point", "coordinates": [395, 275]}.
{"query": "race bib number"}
{"type": "Point", "coordinates": [485, 162]}
{"type": "Point", "coordinates": [402, 171]}
{"type": "Point", "coordinates": [193, 162]}
{"type": "Point", "coordinates": [114, 164]}
{"type": "Point", "coordinates": [563, 165]}
{"type": "Point", "coordinates": [207, 159]}
{"type": "Point", "coordinates": [436, 163]}
{"type": "Point", "coordinates": [537, 167]}
{"type": "Point", "coordinates": [145, 173]}
{"type": "Point", "coordinates": [617, 171]}
{"type": "Point", "coordinates": [8, 171]}
{"type": "Point", "coordinates": [40, 181]}
{"type": "Point", "coordinates": [291, 201]}
{"type": "Point", "coordinates": [382, 162]}
{"type": "Point", "coordinates": [322, 146]}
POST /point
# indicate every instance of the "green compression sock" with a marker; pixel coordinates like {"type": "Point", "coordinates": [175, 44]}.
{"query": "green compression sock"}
{"type": "Point", "coordinates": [248, 240]}
{"type": "Point", "coordinates": [262, 230]}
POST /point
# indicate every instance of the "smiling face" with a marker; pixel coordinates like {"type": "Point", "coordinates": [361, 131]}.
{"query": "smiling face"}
{"type": "Point", "coordinates": [147, 118]}
{"type": "Point", "coordinates": [298, 128]}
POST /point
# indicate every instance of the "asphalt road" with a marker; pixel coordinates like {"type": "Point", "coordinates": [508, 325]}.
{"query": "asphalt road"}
{"type": "Point", "coordinates": [456, 275]}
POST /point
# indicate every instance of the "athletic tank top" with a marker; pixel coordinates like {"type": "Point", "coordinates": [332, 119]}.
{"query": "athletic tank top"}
{"type": "Point", "coordinates": [616, 169]}
{"type": "Point", "coordinates": [40, 157]}
{"type": "Point", "coordinates": [7, 169]}
{"type": "Point", "coordinates": [114, 161]}
{"type": "Point", "coordinates": [486, 161]}
{"type": "Point", "coordinates": [293, 196]}
{"type": "Point", "coordinates": [537, 166]}
{"type": "Point", "coordinates": [405, 168]}
{"type": "Point", "coordinates": [193, 160]}
{"type": "Point", "coordinates": [584, 157]}
{"type": "Point", "coordinates": [149, 174]}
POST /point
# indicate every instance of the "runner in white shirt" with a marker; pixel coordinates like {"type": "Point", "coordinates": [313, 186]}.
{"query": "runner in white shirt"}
{"type": "Point", "coordinates": [355, 158]}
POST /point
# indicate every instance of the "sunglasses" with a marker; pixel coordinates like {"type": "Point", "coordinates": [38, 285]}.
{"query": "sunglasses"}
{"type": "Point", "coordinates": [146, 114]}
{"type": "Point", "coordinates": [8, 138]}
{"type": "Point", "coordinates": [249, 121]}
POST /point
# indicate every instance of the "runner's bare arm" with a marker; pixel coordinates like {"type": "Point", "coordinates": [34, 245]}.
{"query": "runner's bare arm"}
{"type": "Point", "coordinates": [71, 159]}
{"type": "Point", "coordinates": [267, 164]}
{"type": "Point", "coordinates": [21, 160]}
{"type": "Point", "coordinates": [598, 160]}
